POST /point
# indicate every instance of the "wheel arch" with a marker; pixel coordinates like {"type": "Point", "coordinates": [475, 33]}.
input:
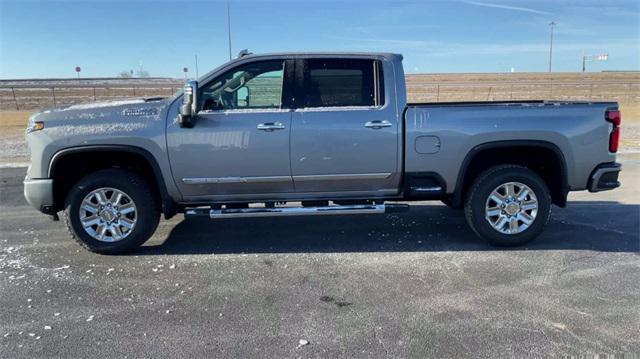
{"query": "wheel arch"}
{"type": "Point", "coordinates": [559, 186]}
{"type": "Point", "coordinates": [156, 179]}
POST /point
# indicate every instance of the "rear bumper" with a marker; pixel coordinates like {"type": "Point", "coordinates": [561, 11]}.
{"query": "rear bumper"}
{"type": "Point", "coordinates": [605, 177]}
{"type": "Point", "coordinates": [39, 194]}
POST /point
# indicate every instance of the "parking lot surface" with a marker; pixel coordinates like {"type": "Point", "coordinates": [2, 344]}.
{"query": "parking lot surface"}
{"type": "Point", "coordinates": [417, 284]}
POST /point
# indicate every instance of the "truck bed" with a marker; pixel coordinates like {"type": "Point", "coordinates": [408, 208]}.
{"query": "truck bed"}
{"type": "Point", "coordinates": [509, 103]}
{"type": "Point", "coordinates": [441, 135]}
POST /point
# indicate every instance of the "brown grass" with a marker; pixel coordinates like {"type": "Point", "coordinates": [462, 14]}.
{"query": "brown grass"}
{"type": "Point", "coordinates": [13, 122]}
{"type": "Point", "coordinates": [630, 113]}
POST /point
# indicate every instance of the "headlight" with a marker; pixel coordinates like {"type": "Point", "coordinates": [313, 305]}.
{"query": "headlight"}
{"type": "Point", "coordinates": [35, 126]}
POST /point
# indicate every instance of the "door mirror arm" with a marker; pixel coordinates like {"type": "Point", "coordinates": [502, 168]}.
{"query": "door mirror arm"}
{"type": "Point", "coordinates": [188, 109]}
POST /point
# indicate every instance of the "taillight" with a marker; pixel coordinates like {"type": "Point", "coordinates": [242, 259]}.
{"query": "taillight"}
{"type": "Point", "coordinates": [615, 118]}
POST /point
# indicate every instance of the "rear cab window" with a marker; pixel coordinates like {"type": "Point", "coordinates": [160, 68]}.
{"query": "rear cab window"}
{"type": "Point", "coordinates": [342, 83]}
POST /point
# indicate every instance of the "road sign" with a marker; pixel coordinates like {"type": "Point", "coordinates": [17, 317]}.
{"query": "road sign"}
{"type": "Point", "coordinates": [590, 58]}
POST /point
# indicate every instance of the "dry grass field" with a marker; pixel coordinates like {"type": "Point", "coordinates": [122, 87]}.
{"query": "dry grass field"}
{"type": "Point", "coordinates": [623, 87]}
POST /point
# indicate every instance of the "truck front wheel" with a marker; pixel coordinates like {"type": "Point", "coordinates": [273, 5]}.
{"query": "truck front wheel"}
{"type": "Point", "coordinates": [111, 211]}
{"type": "Point", "coordinates": [508, 205]}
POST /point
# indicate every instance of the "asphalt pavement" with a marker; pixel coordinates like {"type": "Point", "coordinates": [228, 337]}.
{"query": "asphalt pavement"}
{"type": "Point", "coordinates": [417, 284]}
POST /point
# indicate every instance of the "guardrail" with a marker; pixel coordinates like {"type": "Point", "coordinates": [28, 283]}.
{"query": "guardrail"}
{"type": "Point", "coordinates": [34, 96]}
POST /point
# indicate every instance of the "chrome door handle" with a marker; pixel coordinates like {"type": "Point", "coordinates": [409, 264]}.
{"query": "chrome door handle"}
{"type": "Point", "coordinates": [270, 126]}
{"type": "Point", "coordinates": [376, 125]}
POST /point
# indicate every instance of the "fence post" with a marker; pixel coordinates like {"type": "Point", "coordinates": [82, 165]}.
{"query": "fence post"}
{"type": "Point", "coordinates": [134, 91]}
{"type": "Point", "coordinates": [15, 99]}
{"type": "Point", "coordinates": [94, 94]}
{"type": "Point", "coordinates": [53, 92]}
{"type": "Point", "coordinates": [489, 94]}
{"type": "Point", "coordinates": [511, 94]}
{"type": "Point", "coordinates": [438, 94]}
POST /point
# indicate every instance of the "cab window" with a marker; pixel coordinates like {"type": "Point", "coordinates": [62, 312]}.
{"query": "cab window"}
{"type": "Point", "coordinates": [342, 83]}
{"type": "Point", "coordinates": [256, 85]}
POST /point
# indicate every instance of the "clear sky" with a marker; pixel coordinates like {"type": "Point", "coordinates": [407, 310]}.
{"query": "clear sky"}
{"type": "Point", "coordinates": [49, 38]}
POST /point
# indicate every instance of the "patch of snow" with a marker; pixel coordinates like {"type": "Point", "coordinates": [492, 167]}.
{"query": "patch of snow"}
{"type": "Point", "coordinates": [14, 164]}
{"type": "Point", "coordinates": [94, 129]}
{"type": "Point", "coordinates": [89, 106]}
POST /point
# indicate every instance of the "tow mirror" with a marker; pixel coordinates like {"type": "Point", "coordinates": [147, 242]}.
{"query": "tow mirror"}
{"type": "Point", "coordinates": [188, 109]}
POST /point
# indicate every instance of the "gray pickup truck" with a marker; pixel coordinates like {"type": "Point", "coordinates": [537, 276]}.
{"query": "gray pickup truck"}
{"type": "Point", "coordinates": [313, 134]}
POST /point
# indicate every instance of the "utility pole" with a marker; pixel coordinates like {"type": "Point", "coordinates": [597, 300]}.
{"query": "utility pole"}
{"type": "Point", "coordinates": [229, 27]}
{"type": "Point", "coordinates": [197, 67]}
{"type": "Point", "coordinates": [552, 25]}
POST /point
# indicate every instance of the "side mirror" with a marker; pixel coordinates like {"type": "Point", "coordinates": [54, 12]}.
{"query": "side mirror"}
{"type": "Point", "coordinates": [188, 109]}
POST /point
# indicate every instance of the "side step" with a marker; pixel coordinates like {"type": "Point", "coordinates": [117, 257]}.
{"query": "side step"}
{"type": "Point", "coordinates": [296, 211]}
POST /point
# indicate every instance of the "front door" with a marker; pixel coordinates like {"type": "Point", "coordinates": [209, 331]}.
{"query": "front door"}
{"type": "Point", "coordinates": [345, 130]}
{"type": "Point", "coordinates": [240, 141]}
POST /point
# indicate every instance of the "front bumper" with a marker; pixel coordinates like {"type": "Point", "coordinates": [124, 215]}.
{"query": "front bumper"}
{"type": "Point", "coordinates": [605, 177]}
{"type": "Point", "coordinates": [39, 194]}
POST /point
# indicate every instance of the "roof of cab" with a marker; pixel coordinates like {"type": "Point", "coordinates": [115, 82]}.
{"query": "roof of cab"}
{"type": "Point", "coordinates": [323, 54]}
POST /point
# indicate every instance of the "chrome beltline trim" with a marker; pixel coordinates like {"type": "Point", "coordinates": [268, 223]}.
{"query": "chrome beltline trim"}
{"type": "Point", "coordinates": [361, 176]}
{"type": "Point", "coordinates": [214, 180]}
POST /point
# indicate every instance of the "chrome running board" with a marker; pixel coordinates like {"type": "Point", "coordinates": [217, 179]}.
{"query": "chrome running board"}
{"type": "Point", "coordinates": [295, 211]}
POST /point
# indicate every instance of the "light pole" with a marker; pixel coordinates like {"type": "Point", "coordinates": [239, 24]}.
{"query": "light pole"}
{"type": "Point", "coordinates": [551, 25]}
{"type": "Point", "coordinates": [197, 75]}
{"type": "Point", "coordinates": [229, 27]}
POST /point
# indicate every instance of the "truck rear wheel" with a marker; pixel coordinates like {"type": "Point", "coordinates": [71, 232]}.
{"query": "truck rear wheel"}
{"type": "Point", "coordinates": [508, 205]}
{"type": "Point", "coordinates": [111, 211]}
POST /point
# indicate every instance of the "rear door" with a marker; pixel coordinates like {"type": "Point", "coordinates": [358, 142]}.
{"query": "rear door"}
{"type": "Point", "coordinates": [345, 128]}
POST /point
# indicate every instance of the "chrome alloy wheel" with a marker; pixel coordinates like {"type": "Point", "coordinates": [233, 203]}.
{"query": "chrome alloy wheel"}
{"type": "Point", "coordinates": [511, 208]}
{"type": "Point", "coordinates": [108, 214]}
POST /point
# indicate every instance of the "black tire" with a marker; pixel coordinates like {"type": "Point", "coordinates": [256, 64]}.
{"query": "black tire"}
{"type": "Point", "coordinates": [147, 211]}
{"type": "Point", "coordinates": [482, 188]}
